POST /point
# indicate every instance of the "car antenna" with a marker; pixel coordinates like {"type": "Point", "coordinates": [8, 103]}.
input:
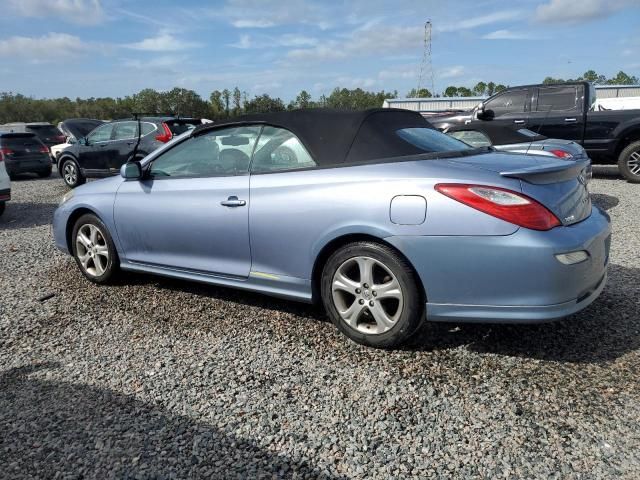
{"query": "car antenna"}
{"type": "Point", "coordinates": [136, 116]}
{"type": "Point", "coordinates": [546, 116]}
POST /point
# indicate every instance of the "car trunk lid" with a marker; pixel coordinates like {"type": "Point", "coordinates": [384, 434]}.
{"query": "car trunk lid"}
{"type": "Point", "coordinates": [559, 185]}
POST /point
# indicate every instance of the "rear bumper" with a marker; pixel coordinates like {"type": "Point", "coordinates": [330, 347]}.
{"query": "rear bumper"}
{"type": "Point", "coordinates": [28, 166]}
{"type": "Point", "coordinates": [513, 278]}
{"type": "Point", "coordinates": [513, 314]}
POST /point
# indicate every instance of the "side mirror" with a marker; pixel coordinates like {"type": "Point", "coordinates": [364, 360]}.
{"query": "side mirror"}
{"type": "Point", "coordinates": [480, 113]}
{"type": "Point", "coordinates": [131, 171]}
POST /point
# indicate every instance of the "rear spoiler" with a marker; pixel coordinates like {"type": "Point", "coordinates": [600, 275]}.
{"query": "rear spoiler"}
{"type": "Point", "coordinates": [559, 171]}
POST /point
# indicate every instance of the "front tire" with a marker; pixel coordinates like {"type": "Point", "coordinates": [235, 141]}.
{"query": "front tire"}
{"type": "Point", "coordinates": [71, 173]}
{"type": "Point", "coordinates": [94, 250]}
{"type": "Point", "coordinates": [629, 162]}
{"type": "Point", "coordinates": [372, 295]}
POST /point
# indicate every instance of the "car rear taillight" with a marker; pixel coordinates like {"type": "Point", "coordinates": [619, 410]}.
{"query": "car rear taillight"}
{"type": "Point", "coordinates": [501, 203]}
{"type": "Point", "coordinates": [61, 138]}
{"type": "Point", "coordinates": [5, 152]}
{"type": "Point", "coordinates": [43, 149]}
{"type": "Point", "coordinates": [561, 154]}
{"type": "Point", "coordinates": [166, 136]}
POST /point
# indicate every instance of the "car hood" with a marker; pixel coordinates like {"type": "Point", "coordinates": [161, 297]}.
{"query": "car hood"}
{"type": "Point", "coordinates": [104, 185]}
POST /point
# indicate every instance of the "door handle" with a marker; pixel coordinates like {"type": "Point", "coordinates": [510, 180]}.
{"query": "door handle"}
{"type": "Point", "coordinates": [518, 122]}
{"type": "Point", "coordinates": [233, 201]}
{"type": "Point", "coordinates": [572, 119]}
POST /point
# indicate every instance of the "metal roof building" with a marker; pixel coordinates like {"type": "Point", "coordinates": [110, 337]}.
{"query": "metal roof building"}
{"type": "Point", "coordinates": [440, 104]}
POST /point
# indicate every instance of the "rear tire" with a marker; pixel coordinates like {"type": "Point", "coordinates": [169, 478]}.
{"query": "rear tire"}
{"type": "Point", "coordinates": [372, 295]}
{"type": "Point", "coordinates": [70, 173]}
{"type": "Point", "coordinates": [629, 162]}
{"type": "Point", "coordinates": [93, 250]}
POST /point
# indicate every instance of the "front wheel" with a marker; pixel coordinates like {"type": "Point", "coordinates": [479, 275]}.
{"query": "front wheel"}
{"type": "Point", "coordinates": [94, 250]}
{"type": "Point", "coordinates": [629, 162]}
{"type": "Point", "coordinates": [372, 295]}
{"type": "Point", "coordinates": [71, 173]}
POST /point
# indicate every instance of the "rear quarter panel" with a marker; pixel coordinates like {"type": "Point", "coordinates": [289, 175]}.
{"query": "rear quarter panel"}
{"type": "Point", "coordinates": [293, 215]}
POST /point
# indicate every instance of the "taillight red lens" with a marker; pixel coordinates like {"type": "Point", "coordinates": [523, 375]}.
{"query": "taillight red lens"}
{"type": "Point", "coordinates": [510, 206]}
{"type": "Point", "coordinates": [166, 136]}
{"type": "Point", "coordinates": [5, 152]}
{"type": "Point", "coordinates": [44, 149]}
{"type": "Point", "coordinates": [561, 153]}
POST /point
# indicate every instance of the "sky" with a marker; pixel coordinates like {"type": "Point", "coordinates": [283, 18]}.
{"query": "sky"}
{"type": "Point", "coordinates": [94, 48]}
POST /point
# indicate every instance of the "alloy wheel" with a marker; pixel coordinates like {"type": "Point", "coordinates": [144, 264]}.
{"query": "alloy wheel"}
{"type": "Point", "coordinates": [92, 250]}
{"type": "Point", "coordinates": [367, 295]}
{"type": "Point", "coordinates": [634, 163]}
{"type": "Point", "coordinates": [70, 173]}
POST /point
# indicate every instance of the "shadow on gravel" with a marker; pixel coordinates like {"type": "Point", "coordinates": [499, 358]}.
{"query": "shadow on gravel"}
{"type": "Point", "coordinates": [26, 215]}
{"type": "Point", "coordinates": [603, 332]}
{"type": "Point", "coordinates": [56, 429]}
{"type": "Point", "coordinates": [604, 201]}
{"type": "Point", "coordinates": [252, 299]}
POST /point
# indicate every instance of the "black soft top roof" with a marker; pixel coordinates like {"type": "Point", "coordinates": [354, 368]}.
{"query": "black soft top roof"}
{"type": "Point", "coordinates": [498, 134]}
{"type": "Point", "coordinates": [338, 136]}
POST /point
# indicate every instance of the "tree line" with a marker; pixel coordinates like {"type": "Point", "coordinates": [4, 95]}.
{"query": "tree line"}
{"type": "Point", "coordinates": [15, 107]}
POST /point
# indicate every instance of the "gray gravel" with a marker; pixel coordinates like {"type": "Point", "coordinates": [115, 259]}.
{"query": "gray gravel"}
{"type": "Point", "coordinates": [155, 378]}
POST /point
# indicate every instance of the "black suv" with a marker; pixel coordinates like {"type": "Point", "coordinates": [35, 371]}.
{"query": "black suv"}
{"type": "Point", "coordinates": [47, 133]}
{"type": "Point", "coordinates": [103, 151]}
{"type": "Point", "coordinates": [24, 153]}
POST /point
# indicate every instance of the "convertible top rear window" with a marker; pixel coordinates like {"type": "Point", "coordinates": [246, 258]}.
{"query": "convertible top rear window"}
{"type": "Point", "coordinates": [430, 140]}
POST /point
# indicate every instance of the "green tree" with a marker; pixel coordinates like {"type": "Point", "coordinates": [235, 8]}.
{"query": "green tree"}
{"type": "Point", "coordinates": [451, 91]}
{"type": "Point", "coordinates": [237, 101]}
{"type": "Point", "coordinates": [419, 93]}
{"type": "Point", "coordinates": [500, 88]}
{"type": "Point", "coordinates": [623, 79]}
{"type": "Point", "coordinates": [264, 104]}
{"type": "Point", "coordinates": [226, 98]}
{"type": "Point", "coordinates": [491, 88]}
{"type": "Point", "coordinates": [480, 89]}
{"type": "Point", "coordinates": [465, 92]}
{"type": "Point", "coordinates": [217, 105]}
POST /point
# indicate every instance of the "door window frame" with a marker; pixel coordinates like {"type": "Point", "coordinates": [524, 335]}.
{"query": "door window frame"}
{"type": "Point", "coordinates": [110, 124]}
{"type": "Point", "coordinates": [147, 167]}
{"type": "Point", "coordinates": [527, 102]}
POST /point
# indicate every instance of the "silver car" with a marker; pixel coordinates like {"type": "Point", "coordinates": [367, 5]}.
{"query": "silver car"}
{"type": "Point", "coordinates": [377, 215]}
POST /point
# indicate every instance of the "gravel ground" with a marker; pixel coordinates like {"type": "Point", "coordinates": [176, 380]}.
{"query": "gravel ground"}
{"type": "Point", "coordinates": [155, 378]}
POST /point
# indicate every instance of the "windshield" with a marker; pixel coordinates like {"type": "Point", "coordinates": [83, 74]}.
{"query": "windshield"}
{"type": "Point", "coordinates": [431, 141]}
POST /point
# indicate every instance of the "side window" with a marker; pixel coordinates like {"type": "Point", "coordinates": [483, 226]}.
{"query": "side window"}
{"type": "Point", "coordinates": [558, 99]}
{"type": "Point", "coordinates": [147, 128]}
{"type": "Point", "coordinates": [101, 134]}
{"type": "Point", "coordinates": [217, 153]}
{"type": "Point", "coordinates": [513, 101]}
{"type": "Point", "coordinates": [472, 137]}
{"type": "Point", "coordinates": [125, 130]}
{"type": "Point", "coordinates": [279, 149]}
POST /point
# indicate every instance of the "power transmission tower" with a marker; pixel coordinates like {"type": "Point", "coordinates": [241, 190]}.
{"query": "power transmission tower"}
{"type": "Point", "coordinates": [426, 69]}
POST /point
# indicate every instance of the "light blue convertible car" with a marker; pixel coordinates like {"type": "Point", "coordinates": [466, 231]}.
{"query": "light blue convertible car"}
{"type": "Point", "coordinates": [385, 220]}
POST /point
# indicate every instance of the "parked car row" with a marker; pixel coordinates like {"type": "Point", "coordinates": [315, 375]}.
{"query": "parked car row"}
{"type": "Point", "coordinates": [565, 111]}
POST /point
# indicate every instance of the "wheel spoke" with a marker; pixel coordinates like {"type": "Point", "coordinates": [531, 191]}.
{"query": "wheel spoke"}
{"type": "Point", "coordinates": [344, 283]}
{"type": "Point", "coordinates": [94, 234]}
{"type": "Point", "coordinates": [97, 262]}
{"type": "Point", "coordinates": [351, 314]}
{"type": "Point", "coordinates": [84, 259]}
{"type": "Point", "coordinates": [83, 239]}
{"type": "Point", "coordinates": [365, 265]}
{"type": "Point", "coordinates": [102, 250]}
{"type": "Point", "coordinates": [381, 317]}
{"type": "Point", "coordinates": [390, 289]}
